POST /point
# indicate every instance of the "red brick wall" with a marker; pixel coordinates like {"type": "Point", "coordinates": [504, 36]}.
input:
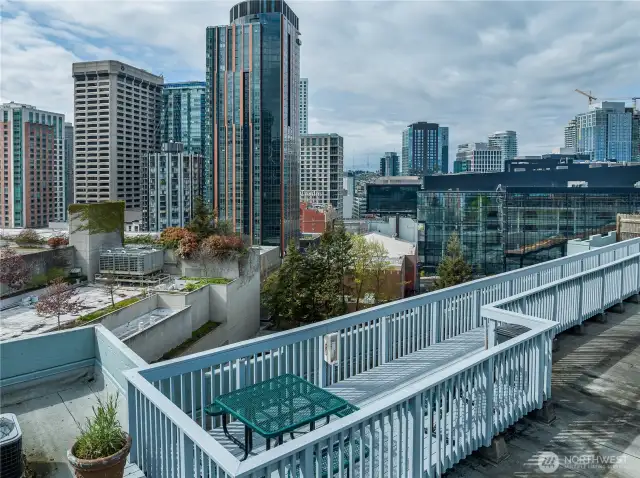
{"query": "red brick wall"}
{"type": "Point", "coordinates": [312, 221]}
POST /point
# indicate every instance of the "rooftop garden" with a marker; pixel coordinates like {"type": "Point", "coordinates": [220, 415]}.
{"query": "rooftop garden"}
{"type": "Point", "coordinates": [195, 283]}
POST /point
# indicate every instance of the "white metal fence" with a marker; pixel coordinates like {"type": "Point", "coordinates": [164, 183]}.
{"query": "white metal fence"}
{"type": "Point", "coordinates": [429, 425]}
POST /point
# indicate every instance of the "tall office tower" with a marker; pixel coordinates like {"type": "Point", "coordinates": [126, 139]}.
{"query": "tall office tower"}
{"type": "Point", "coordinates": [253, 142]}
{"type": "Point", "coordinates": [443, 148]}
{"type": "Point", "coordinates": [321, 169]}
{"type": "Point", "coordinates": [390, 164]}
{"type": "Point", "coordinates": [479, 158]}
{"type": "Point", "coordinates": [171, 180]}
{"type": "Point", "coordinates": [635, 132]}
{"type": "Point", "coordinates": [604, 133]}
{"type": "Point", "coordinates": [183, 115]}
{"type": "Point", "coordinates": [32, 166]}
{"type": "Point", "coordinates": [116, 119]}
{"type": "Point", "coordinates": [570, 134]}
{"type": "Point", "coordinates": [68, 164]}
{"type": "Point", "coordinates": [507, 141]}
{"type": "Point", "coordinates": [421, 154]}
{"type": "Point", "coordinates": [304, 105]}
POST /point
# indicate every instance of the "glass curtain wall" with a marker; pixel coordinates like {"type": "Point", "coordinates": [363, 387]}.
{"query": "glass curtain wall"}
{"type": "Point", "coordinates": [502, 231]}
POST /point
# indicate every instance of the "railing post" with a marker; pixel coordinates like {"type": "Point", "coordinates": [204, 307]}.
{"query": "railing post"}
{"type": "Point", "coordinates": [322, 365]}
{"type": "Point", "coordinates": [416, 409]}
{"type": "Point", "coordinates": [542, 359]}
{"type": "Point", "coordinates": [581, 299]}
{"type": "Point", "coordinates": [306, 463]}
{"type": "Point", "coordinates": [133, 421]}
{"type": "Point", "coordinates": [637, 286]}
{"type": "Point", "coordinates": [478, 304]}
{"type": "Point", "coordinates": [490, 333]}
{"type": "Point", "coordinates": [602, 292]}
{"type": "Point", "coordinates": [522, 303]}
{"type": "Point", "coordinates": [384, 338]}
{"type": "Point", "coordinates": [554, 311]}
{"type": "Point", "coordinates": [186, 456]}
{"type": "Point", "coordinates": [488, 372]}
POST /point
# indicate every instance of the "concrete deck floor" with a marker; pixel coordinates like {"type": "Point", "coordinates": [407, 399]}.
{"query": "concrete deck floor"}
{"type": "Point", "coordinates": [50, 417]}
{"type": "Point", "coordinates": [596, 392]}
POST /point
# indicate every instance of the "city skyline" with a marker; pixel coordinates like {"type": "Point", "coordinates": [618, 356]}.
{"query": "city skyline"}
{"type": "Point", "coordinates": [523, 56]}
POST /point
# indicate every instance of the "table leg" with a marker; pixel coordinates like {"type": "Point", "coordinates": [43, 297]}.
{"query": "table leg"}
{"type": "Point", "coordinates": [248, 439]}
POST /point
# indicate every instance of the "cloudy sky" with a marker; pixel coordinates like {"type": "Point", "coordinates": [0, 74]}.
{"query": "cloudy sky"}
{"type": "Point", "coordinates": [373, 67]}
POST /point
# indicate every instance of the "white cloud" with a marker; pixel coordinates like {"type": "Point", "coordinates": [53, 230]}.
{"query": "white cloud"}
{"type": "Point", "coordinates": [373, 67]}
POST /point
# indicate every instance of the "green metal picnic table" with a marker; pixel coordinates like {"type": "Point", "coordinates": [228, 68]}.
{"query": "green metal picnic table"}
{"type": "Point", "coordinates": [276, 406]}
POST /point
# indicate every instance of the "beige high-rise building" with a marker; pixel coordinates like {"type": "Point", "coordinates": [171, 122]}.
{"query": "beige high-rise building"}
{"type": "Point", "coordinates": [321, 169]}
{"type": "Point", "coordinates": [117, 122]}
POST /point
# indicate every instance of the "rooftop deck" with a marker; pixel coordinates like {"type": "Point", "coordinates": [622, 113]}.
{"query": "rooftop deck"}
{"type": "Point", "coordinates": [596, 392]}
{"type": "Point", "coordinates": [418, 416]}
{"type": "Point", "coordinates": [435, 378]}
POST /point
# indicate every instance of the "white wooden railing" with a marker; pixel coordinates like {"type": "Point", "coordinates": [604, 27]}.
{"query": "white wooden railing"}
{"type": "Point", "coordinates": [466, 403]}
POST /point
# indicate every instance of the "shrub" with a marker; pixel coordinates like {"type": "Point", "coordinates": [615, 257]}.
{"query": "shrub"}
{"type": "Point", "coordinates": [107, 310]}
{"type": "Point", "coordinates": [54, 273]}
{"type": "Point", "coordinates": [142, 239]}
{"type": "Point", "coordinates": [38, 280]}
{"type": "Point", "coordinates": [223, 246]}
{"type": "Point", "coordinates": [57, 241]}
{"type": "Point", "coordinates": [171, 236]}
{"type": "Point", "coordinates": [103, 436]}
{"type": "Point", "coordinates": [28, 237]}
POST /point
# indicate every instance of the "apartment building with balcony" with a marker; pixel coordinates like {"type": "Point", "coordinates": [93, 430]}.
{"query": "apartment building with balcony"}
{"type": "Point", "coordinates": [171, 180]}
{"type": "Point", "coordinates": [117, 122]}
{"type": "Point", "coordinates": [32, 166]}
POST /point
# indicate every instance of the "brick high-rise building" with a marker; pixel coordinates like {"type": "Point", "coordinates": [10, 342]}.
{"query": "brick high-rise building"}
{"type": "Point", "coordinates": [32, 166]}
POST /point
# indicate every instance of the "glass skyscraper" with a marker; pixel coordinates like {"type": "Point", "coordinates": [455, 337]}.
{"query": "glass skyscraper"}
{"type": "Point", "coordinates": [252, 121]}
{"type": "Point", "coordinates": [183, 115]}
{"type": "Point", "coordinates": [605, 132]}
{"type": "Point", "coordinates": [425, 149]}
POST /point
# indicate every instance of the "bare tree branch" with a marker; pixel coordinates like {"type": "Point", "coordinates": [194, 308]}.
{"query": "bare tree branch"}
{"type": "Point", "coordinates": [58, 299]}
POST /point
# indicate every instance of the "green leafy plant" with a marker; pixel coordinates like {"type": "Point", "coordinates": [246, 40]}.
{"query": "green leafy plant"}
{"type": "Point", "coordinates": [102, 436]}
{"type": "Point", "coordinates": [28, 237]}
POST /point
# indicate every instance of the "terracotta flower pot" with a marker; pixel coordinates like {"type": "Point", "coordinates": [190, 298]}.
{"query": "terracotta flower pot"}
{"type": "Point", "coordinates": [108, 467]}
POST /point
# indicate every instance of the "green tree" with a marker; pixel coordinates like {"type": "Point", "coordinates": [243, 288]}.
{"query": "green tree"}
{"type": "Point", "coordinates": [380, 264]}
{"type": "Point", "coordinates": [279, 292]}
{"type": "Point", "coordinates": [335, 251]}
{"type": "Point", "coordinates": [203, 220]}
{"type": "Point", "coordinates": [363, 259]}
{"type": "Point", "coordinates": [453, 269]}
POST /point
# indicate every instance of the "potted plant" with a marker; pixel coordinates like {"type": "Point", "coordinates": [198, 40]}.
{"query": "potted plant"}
{"type": "Point", "coordinates": [102, 448]}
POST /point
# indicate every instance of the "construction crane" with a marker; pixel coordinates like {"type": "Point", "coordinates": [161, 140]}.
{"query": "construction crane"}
{"type": "Point", "coordinates": [592, 98]}
{"type": "Point", "coordinates": [588, 95]}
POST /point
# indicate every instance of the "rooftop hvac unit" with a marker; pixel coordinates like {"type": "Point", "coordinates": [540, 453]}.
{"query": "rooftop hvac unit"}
{"type": "Point", "coordinates": [11, 465]}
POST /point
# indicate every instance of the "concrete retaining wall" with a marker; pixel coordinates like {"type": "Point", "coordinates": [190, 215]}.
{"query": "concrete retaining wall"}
{"type": "Point", "coordinates": [127, 314]}
{"type": "Point", "coordinates": [237, 307]}
{"type": "Point", "coordinates": [113, 357]}
{"type": "Point", "coordinates": [61, 358]}
{"type": "Point", "coordinates": [152, 343]}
